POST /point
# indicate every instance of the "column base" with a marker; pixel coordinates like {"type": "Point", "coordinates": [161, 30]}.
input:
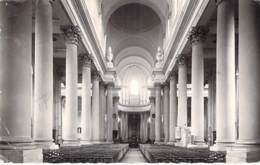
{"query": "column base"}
{"type": "Point", "coordinates": [48, 145]}
{"type": "Point", "coordinates": [70, 143]}
{"type": "Point", "coordinates": [109, 141]}
{"type": "Point", "coordinates": [178, 133]}
{"type": "Point", "coordinates": [98, 142]}
{"type": "Point", "coordinates": [242, 156]}
{"type": "Point", "coordinates": [241, 153]}
{"type": "Point", "coordinates": [197, 144]}
{"type": "Point", "coordinates": [85, 142]}
{"type": "Point", "coordinates": [221, 146]}
{"type": "Point", "coordinates": [159, 142]}
{"type": "Point", "coordinates": [172, 142]}
{"type": "Point", "coordinates": [21, 153]}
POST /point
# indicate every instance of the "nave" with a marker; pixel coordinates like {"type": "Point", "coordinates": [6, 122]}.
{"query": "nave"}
{"type": "Point", "coordinates": [77, 73]}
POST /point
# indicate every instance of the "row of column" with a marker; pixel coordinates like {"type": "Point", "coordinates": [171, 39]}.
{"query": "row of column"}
{"type": "Point", "coordinates": [174, 114]}
{"type": "Point", "coordinates": [23, 99]}
{"type": "Point", "coordinates": [226, 97]}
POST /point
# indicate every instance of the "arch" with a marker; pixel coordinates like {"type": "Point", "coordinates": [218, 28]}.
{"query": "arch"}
{"type": "Point", "coordinates": [134, 60]}
{"type": "Point", "coordinates": [123, 70]}
{"type": "Point", "coordinates": [147, 3]}
{"type": "Point", "coordinates": [136, 41]}
{"type": "Point", "coordinates": [134, 51]}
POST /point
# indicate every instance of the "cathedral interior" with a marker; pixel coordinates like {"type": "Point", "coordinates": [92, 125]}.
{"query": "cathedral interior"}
{"type": "Point", "coordinates": [129, 81]}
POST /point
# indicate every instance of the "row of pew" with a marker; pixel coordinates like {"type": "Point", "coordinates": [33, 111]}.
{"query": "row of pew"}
{"type": "Point", "coordinates": [155, 153]}
{"type": "Point", "coordinates": [97, 153]}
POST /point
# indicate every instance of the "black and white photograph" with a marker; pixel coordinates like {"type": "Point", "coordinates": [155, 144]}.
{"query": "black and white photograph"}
{"type": "Point", "coordinates": [130, 81]}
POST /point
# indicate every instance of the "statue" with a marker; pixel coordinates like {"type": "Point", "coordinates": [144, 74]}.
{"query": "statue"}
{"type": "Point", "coordinates": [159, 57]}
{"type": "Point", "coordinates": [110, 58]}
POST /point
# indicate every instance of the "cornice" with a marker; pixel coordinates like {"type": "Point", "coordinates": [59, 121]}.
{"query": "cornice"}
{"type": "Point", "coordinates": [80, 16]}
{"type": "Point", "coordinates": [191, 18]}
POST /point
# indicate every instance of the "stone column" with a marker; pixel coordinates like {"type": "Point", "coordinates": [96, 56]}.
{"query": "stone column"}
{"type": "Point", "coordinates": [141, 126]}
{"type": "Point", "coordinates": [173, 106]}
{"type": "Point", "coordinates": [166, 112]}
{"type": "Point", "coordinates": [197, 36]}
{"type": "Point", "coordinates": [249, 78]}
{"type": "Point", "coordinates": [182, 89]}
{"type": "Point", "coordinates": [43, 77]}
{"type": "Point", "coordinates": [211, 105]}
{"type": "Point", "coordinates": [225, 81]}
{"type": "Point", "coordinates": [247, 147]}
{"type": "Point", "coordinates": [115, 113]}
{"type": "Point", "coordinates": [152, 117]}
{"type": "Point", "coordinates": [95, 109]}
{"type": "Point", "coordinates": [126, 126]}
{"type": "Point", "coordinates": [16, 82]}
{"type": "Point", "coordinates": [145, 126]}
{"type": "Point", "coordinates": [157, 112]}
{"type": "Point", "coordinates": [86, 116]}
{"type": "Point", "coordinates": [109, 113]}
{"type": "Point", "coordinates": [57, 113]}
{"type": "Point", "coordinates": [102, 107]}
{"type": "Point", "coordinates": [123, 121]}
{"type": "Point", "coordinates": [70, 117]}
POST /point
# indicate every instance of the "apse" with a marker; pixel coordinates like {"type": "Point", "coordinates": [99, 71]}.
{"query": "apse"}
{"type": "Point", "coordinates": [134, 83]}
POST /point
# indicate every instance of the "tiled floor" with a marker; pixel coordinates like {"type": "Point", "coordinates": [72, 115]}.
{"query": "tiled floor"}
{"type": "Point", "coordinates": [133, 156]}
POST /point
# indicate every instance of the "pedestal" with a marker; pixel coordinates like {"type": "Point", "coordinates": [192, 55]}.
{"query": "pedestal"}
{"type": "Point", "coordinates": [21, 153]}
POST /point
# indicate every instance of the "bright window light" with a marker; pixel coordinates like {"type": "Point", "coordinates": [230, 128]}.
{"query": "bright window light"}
{"type": "Point", "coordinates": [134, 87]}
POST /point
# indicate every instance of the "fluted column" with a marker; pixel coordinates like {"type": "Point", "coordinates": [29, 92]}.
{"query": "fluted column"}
{"type": "Point", "coordinates": [182, 90]}
{"type": "Point", "coordinates": [43, 86]}
{"type": "Point", "coordinates": [15, 72]}
{"type": "Point", "coordinates": [102, 107]}
{"type": "Point", "coordinates": [197, 36]}
{"type": "Point", "coordinates": [95, 108]}
{"type": "Point", "coordinates": [157, 112]}
{"type": "Point", "coordinates": [166, 112]}
{"type": "Point", "coordinates": [173, 106]}
{"type": "Point", "coordinates": [152, 117]}
{"type": "Point", "coordinates": [109, 113]}
{"type": "Point", "coordinates": [249, 76]}
{"type": "Point", "coordinates": [71, 106]}
{"type": "Point", "coordinates": [86, 116]}
{"type": "Point", "coordinates": [225, 80]}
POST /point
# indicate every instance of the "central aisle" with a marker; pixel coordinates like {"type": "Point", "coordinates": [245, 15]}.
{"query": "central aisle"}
{"type": "Point", "coordinates": [133, 156]}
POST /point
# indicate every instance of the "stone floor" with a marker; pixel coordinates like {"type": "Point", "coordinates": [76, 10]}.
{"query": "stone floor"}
{"type": "Point", "coordinates": [133, 156]}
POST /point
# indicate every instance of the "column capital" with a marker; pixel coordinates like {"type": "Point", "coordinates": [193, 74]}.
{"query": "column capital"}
{"type": "Point", "coordinates": [96, 76]}
{"type": "Point", "coordinates": [198, 34]}
{"type": "Point", "coordinates": [59, 71]}
{"type": "Point", "coordinates": [152, 99]}
{"type": "Point", "coordinates": [116, 98]}
{"type": "Point", "coordinates": [165, 86]}
{"type": "Point", "coordinates": [173, 75]}
{"type": "Point", "coordinates": [157, 85]}
{"type": "Point", "coordinates": [181, 59]}
{"type": "Point", "coordinates": [110, 86]}
{"type": "Point", "coordinates": [85, 59]}
{"type": "Point", "coordinates": [71, 33]}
